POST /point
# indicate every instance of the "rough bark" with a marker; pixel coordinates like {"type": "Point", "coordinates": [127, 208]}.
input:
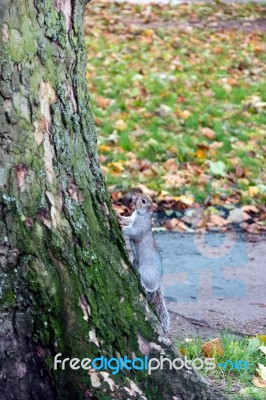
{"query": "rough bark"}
{"type": "Point", "coordinates": [66, 283]}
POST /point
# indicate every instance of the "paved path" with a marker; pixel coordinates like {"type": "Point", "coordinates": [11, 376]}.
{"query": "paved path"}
{"type": "Point", "coordinates": [216, 280]}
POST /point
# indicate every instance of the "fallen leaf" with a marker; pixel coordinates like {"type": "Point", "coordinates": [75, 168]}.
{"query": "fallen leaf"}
{"type": "Point", "coordinates": [176, 224]}
{"type": "Point", "coordinates": [102, 102]}
{"type": "Point", "coordinates": [121, 125]}
{"type": "Point", "coordinates": [120, 208]}
{"type": "Point", "coordinates": [261, 370]}
{"type": "Point", "coordinates": [237, 216]}
{"type": "Point", "coordinates": [216, 220]}
{"type": "Point", "coordinates": [148, 33]}
{"type": "Point", "coordinates": [212, 348]}
{"type": "Point", "coordinates": [182, 351]}
{"type": "Point", "coordinates": [146, 190]}
{"type": "Point", "coordinates": [258, 382]}
{"type": "Point", "coordinates": [104, 148]}
{"type": "Point", "coordinates": [208, 133]}
{"type": "Point", "coordinates": [187, 199]}
{"type": "Point", "coordinates": [171, 165]}
{"type": "Point", "coordinates": [200, 153]}
{"type": "Point", "coordinates": [262, 338]}
{"type": "Point", "coordinates": [116, 166]}
{"type": "Point", "coordinates": [250, 208]}
{"type": "Point", "coordinates": [263, 349]}
{"type": "Point", "coordinates": [251, 228]}
{"type": "Point", "coordinates": [253, 191]}
{"type": "Point", "coordinates": [183, 113]}
{"type": "Point", "coordinates": [217, 168]}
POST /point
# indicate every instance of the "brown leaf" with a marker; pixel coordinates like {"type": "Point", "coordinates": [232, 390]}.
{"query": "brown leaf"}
{"type": "Point", "coordinates": [251, 228]}
{"type": "Point", "coordinates": [175, 224]}
{"type": "Point", "coordinates": [120, 208]}
{"type": "Point", "coordinates": [208, 133]}
{"type": "Point", "coordinates": [171, 165]}
{"type": "Point", "coordinates": [259, 382]}
{"type": "Point", "coordinates": [216, 220]}
{"type": "Point", "coordinates": [146, 190]}
{"type": "Point", "coordinates": [182, 351]}
{"type": "Point", "coordinates": [212, 348]}
{"type": "Point", "coordinates": [250, 208]}
{"type": "Point", "coordinates": [102, 102]}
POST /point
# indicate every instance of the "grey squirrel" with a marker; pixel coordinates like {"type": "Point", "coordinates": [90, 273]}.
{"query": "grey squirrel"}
{"type": "Point", "coordinates": [147, 258]}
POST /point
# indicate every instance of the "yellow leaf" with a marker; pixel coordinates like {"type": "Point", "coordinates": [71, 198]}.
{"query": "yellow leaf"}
{"type": "Point", "coordinates": [253, 191]}
{"type": "Point", "coordinates": [187, 199]}
{"type": "Point", "coordinates": [183, 113]}
{"type": "Point", "coordinates": [121, 125]}
{"type": "Point", "coordinates": [104, 148]}
{"type": "Point", "coordinates": [148, 32]}
{"type": "Point", "coordinates": [200, 153]}
{"type": "Point", "coordinates": [116, 166]}
{"type": "Point", "coordinates": [262, 338]}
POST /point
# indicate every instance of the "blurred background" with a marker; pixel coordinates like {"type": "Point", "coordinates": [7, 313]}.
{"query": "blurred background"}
{"type": "Point", "coordinates": [179, 99]}
{"type": "Point", "coordinates": [178, 92]}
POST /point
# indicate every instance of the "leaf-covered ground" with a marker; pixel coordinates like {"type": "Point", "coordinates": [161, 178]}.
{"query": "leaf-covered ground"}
{"type": "Point", "coordinates": [179, 99]}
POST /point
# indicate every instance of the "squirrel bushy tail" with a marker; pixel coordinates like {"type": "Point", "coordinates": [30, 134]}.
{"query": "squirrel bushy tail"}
{"type": "Point", "coordinates": [156, 298]}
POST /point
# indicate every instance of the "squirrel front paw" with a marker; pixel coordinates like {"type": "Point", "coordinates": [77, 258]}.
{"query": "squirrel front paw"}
{"type": "Point", "coordinates": [120, 220]}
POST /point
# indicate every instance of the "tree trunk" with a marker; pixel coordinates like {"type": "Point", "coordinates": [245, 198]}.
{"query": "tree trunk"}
{"type": "Point", "coordinates": [66, 282]}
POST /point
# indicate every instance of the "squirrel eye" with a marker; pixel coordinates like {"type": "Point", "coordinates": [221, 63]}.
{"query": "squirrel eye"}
{"type": "Point", "coordinates": [143, 201]}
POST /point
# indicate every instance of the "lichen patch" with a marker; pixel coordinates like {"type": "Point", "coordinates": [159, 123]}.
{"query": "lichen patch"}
{"type": "Point", "coordinates": [93, 338]}
{"type": "Point", "coordinates": [134, 390]}
{"type": "Point", "coordinates": [55, 208]}
{"type": "Point", "coordinates": [95, 380]}
{"type": "Point", "coordinates": [85, 308]}
{"type": "Point", "coordinates": [71, 97]}
{"type": "Point", "coordinates": [21, 172]}
{"type": "Point", "coordinates": [47, 97]}
{"type": "Point", "coordinates": [106, 378]}
{"type": "Point", "coordinates": [157, 347]}
{"type": "Point", "coordinates": [144, 345]}
{"type": "Point", "coordinates": [5, 33]}
{"type": "Point", "coordinates": [65, 6]}
{"type": "Point", "coordinates": [38, 133]}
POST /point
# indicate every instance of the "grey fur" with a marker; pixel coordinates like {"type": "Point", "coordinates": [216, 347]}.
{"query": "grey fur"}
{"type": "Point", "coordinates": [147, 258]}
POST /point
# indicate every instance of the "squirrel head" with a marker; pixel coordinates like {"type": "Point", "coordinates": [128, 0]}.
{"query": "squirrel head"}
{"type": "Point", "coordinates": [143, 203]}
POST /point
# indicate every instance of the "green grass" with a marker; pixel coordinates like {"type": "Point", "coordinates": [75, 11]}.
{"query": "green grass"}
{"type": "Point", "coordinates": [234, 382]}
{"type": "Point", "coordinates": [169, 83]}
